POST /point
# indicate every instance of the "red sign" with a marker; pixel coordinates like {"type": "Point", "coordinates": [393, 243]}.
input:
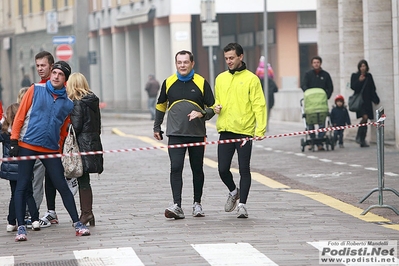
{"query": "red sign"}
{"type": "Point", "coordinates": [64, 52]}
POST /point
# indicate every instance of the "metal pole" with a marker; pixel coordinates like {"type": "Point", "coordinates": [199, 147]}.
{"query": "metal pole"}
{"type": "Point", "coordinates": [265, 44]}
{"type": "Point", "coordinates": [210, 48]}
{"type": "Point", "coordinates": [380, 156]}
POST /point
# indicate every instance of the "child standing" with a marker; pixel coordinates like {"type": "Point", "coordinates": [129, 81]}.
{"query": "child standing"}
{"type": "Point", "coordinates": [9, 171]}
{"type": "Point", "coordinates": [339, 117]}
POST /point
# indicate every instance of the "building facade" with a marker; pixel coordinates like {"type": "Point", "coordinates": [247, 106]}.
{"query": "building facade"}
{"type": "Point", "coordinates": [351, 30]}
{"type": "Point", "coordinates": [132, 39]}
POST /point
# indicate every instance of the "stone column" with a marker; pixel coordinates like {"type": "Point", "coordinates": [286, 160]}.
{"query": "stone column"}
{"type": "Point", "coordinates": [133, 71]}
{"type": "Point", "coordinates": [328, 36]}
{"type": "Point", "coordinates": [119, 67]}
{"type": "Point", "coordinates": [378, 45]}
{"type": "Point", "coordinates": [395, 60]}
{"type": "Point", "coordinates": [147, 59]}
{"type": "Point", "coordinates": [350, 21]}
{"type": "Point", "coordinates": [95, 85]}
{"type": "Point", "coordinates": [107, 73]}
{"type": "Point", "coordinates": [163, 52]}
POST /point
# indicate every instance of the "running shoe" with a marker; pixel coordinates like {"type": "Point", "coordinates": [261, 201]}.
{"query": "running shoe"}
{"type": "Point", "coordinates": [197, 210]}
{"type": "Point", "coordinates": [81, 229]}
{"type": "Point", "coordinates": [11, 227]}
{"type": "Point", "coordinates": [21, 234]}
{"type": "Point", "coordinates": [36, 226]}
{"type": "Point", "coordinates": [50, 217]}
{"type": "Point", "coordinates": [231, 202]}
{"type": "Point", "coordinates": [174, 211]}
{"type": "Point", "coordinates": [242, 211]}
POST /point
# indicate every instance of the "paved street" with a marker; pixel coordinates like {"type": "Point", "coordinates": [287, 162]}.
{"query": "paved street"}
{"type": "Point", "coordinates": [296, 199]}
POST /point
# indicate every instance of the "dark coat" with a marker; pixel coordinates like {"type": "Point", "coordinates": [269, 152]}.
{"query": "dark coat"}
{"type": "Point", "coordinates": [8, 170]}
{"type": "Point", "coordinates": [369, 93]}
{"type": "Point", "coordinates": [271, 89]}
{"type": "Point", "coordinates": [320, 79]}
{"type": "Point", "coordinates": [152, 87]}
{"type": "Point", "coordinates": [340, 116]}
{"type": "Point", "coordinates": [86, 120]}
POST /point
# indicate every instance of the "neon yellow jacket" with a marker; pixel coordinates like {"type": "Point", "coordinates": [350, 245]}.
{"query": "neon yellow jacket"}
{"type": "Point", "coordinates": [243, 103]}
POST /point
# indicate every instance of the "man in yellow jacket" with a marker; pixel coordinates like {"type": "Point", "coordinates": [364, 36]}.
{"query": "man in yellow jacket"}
{"type": "Point", "coordinates": [241, 106]}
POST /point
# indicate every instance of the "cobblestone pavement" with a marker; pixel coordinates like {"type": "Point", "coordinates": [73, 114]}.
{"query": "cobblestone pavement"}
{"type": "Point", "coordinates": [297, 198]}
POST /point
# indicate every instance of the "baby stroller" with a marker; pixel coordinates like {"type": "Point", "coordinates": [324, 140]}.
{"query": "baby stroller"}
{"type": "Point", "coordinates": [314, 107]}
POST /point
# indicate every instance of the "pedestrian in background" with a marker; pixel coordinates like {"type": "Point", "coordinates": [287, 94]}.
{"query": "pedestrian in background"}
{"type": "Point", "coordinates": [362, 79]}
{"type": "Point", "coordinates": [86, 121]}
{"type": "Point", "coordinates": [318, 78]}
{"type": "Point", "coordinates": [272, 86]}
{"type": "Point", "coordinates": [339, 117]}
{"type": "Point", "coordinates": [189, 99]}
{"type": "Point", "coordinates": [26, 81]}
{"type": "Point", "coordinates": [242, 114]}
{"type": "Point", "coordinates": [40, 125]}
{"type": "Point", "coordinates": [9, 171]}
{"type": "Point", "coordinates": [152, 88]}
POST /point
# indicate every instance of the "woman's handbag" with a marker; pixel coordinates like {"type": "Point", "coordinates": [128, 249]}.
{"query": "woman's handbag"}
{"type": "Point", "coordinates": [73, 166]}
{"type": "Point", "coordinates": [355, 101]}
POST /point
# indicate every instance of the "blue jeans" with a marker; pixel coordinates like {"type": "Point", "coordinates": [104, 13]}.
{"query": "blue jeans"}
{"type": "Point", "coordinates": [339, 136]}
{"type": "Point", "coordinates": [56, 173]}
{"type": "Point", "coordinates": [33, 209]}
{"type": "Point", "coordinates": [151, 105]}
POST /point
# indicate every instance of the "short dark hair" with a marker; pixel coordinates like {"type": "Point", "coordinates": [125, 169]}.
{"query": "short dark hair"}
{"type": "Point", "coordinates": [316, 58]}
{"type": "Point", "coordinates": [45, 54]}
{"type": "Point", "coordinates": [183, 52]}
{"type": "Point", "coordinates": [234, 47]}
{"type": "Point", "coordinates": [361, 62]}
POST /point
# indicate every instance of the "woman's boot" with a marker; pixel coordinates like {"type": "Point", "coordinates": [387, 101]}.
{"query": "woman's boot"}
{"type": "Point", "coordinates": [86, 205]}
{"type": "Point", "coordinates": [362, 135]}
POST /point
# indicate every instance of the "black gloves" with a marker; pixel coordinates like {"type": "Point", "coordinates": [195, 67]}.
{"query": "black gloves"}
{"type": "Point", "coordinates": [14, 149]}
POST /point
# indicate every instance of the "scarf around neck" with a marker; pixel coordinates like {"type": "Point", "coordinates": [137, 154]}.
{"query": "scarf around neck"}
{"type": "Point", "coordinates": [185, 78]}
{"type": "Point", "coordinates": [58, 92]}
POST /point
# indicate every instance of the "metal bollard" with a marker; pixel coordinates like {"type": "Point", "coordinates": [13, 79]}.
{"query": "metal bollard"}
{"type": "Point", "coordinates": [380, 161]}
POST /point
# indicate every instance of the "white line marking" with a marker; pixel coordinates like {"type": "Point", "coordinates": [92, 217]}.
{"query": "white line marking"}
{"type": "Point", "coordinates": [356, 165]}
{"type": "Point", "coordinates": [278, 151]}
{"type": "Point", "coordinates": [391, 174]}
{"type": "Point", "coordinates": [7, 261]}
{"type": "Point", "coordinates": [268, 149]}
{"type": "Point", "coordinates": [340, 163]}
{"type": "Point", "coordinates": [112, 256]}
{"type": "Point", "coordinates": [326, 160]}
{"type": "Point", "coordinates": [233, 254]}
{"type": "Point", "coordinates": [259, 146]}
{"type": "Point", "coordinates": [312, 157]}
{"type": "Point", "coordinates": [371, 168]}
{"type": "Point", "coordinates": [300, 154]}
{"type": "Point", "coordinates": [289, 152]}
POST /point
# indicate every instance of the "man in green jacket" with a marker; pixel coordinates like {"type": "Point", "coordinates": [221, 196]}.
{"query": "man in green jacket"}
{"type": "Point", "coordinates": [241, 106]}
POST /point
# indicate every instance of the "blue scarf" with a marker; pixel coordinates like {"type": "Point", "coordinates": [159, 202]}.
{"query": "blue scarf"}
{"type": "Point", "coordinates": [58, 92]}
{"type": "Point", "coordinates": [185, 78]}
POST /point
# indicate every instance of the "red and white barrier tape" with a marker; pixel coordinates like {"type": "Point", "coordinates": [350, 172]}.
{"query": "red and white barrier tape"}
{"type": "Point", "coordinates": [244, 140]}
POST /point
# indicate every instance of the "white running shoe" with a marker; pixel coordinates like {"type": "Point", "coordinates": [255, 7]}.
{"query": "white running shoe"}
{"type": "Point", "coordinates": [231, 202]}
{"type": "Point", "coordinates": [242, 211]}
{"type": "Point", "coordinates": [36, 226]}
{"type": "Point", "coordinates": [11, 228]}
{"type": "Point", "coordinates": [174, 211]}
{"type": "Point", "coordinates": [197, 210]}
{"type": "Point", "coordinates": [50, 217]}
